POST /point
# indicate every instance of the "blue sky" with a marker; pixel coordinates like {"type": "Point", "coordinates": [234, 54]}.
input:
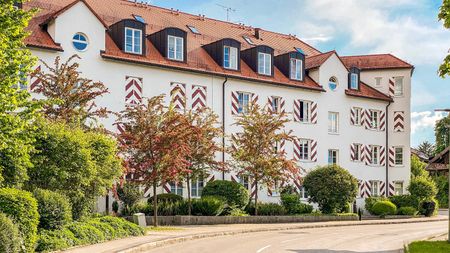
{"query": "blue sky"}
{"type": "Point", "coordinates": [406, 28]}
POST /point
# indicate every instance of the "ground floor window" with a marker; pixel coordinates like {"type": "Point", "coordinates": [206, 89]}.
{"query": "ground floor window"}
{"type": "Point", "coordinates": [176, 188]}
{"type": "Point", "coordinates": [333, 156]}
{"type": "Point", "coordinates": [197, 187]}
{"type": "Point", "coordinates": [398, 188]}
{"type": "Point", "coordinates": [375, 187]}
{"type": "Point", "coordinates": [302, 192]}
{"type": "Point", "coordinates": [243, 180]}
{"type": "Point", "coordinates": [398, 156]}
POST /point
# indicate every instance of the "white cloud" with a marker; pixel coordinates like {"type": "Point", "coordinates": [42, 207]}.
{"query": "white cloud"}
{"type": "Point", "coordinates": [424, 120]}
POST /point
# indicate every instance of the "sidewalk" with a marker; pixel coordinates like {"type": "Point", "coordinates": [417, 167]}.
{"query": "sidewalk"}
{"type": "Point", "coordinates": [182, 233]}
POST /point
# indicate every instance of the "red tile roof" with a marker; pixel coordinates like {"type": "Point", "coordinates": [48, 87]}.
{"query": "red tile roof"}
{"type": "Point", "coordinates": [367, 91]}
{"type": "Point", "coordinates": [375, 61]}
{"type": "Point", "coordinates": [317, 60]}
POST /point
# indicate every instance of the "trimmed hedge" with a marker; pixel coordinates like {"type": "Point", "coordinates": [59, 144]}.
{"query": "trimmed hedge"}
{"type": "Point", "coordinates": [407, 210]}
{"type": "Point", "coordinates": [405, 201]}
{"type": "Point", "coordinates": [54, 209]}
{"type": "Point", "coordinates": [234, 193]}
{"type": "Point", "coordinates": [370, 202]}
{"type": "Point", "coordinates": [23, 210]}
{"type": "Point", "coordinates": [166, 197]}
{"type": "Point", "coordinates": [10, 240]}
{"type": "Point", "coordinates": [88, 232]}
{"type": "Point", "coordinates": [208, 206]}
{"type": "Point", "coordinates": [270, 209]}
{"type": "Point", "coordinates": [383, 208]}
{"type": "Point", "coordinates": [292, 204]}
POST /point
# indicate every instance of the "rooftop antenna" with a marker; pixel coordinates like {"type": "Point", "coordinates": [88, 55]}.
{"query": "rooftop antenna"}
{"type": "Point", "coordinates": [228, 10]}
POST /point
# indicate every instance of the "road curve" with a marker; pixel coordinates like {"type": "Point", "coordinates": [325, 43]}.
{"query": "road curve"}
{"type": "Point", "coordinates": [368, 238]}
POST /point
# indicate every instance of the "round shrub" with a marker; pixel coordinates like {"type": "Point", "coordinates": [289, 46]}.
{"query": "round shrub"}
{"type": "Point", "coordinates": [10, 240]}
{"type": "Point", "coordinates": [383, 208]}
{"type": "Point", "coordinates": [370, 202]}
{"type": "Point", "coordinates": [331, 187]}
{"type": "Point", "coordinates": [21, 207]}
{"type": "Point", "coordinates": [422, 188]}
{"type": "Point", "coordinates": [234, 193]}
{"type": "Point", "coordinates": [407, 210]}
{"type": "Point", "coordinates": [270, 209]}
{"type": "Point", "coordinates": [208, 206]}
{"type": "Point", "coordinates": [50, 241]}
{"type": "Point", "coordinates": [429, 207]}
{"type": "Point", "coordinates": [166, 197]}
{"type": "Point", "coordinates": [405, 201]}
{"type": "Point", "coordinates": [54, 209]}
{"type": "Point", "coordinates": [86, 233]}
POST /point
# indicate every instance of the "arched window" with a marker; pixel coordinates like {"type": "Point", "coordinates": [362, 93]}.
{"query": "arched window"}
{"type": "Point", "coordinates": [333, 83]}
{"type": "Point", "coordinates": [80, 42]}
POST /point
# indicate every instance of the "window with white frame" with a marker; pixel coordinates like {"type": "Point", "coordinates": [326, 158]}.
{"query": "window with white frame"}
{"type": "Point", "coordinates": [333, 156]}
{"type": "Point", "coordinates": [175, 48]}
{"type": "Point", "coordinates": [398, 86]}
{"type": "Point", "coordinates": [358, 152]}
{"type": "Point", "coordinates": [197, 187]}
{"type": "Point", "coordinates": [304, 151]}
{"type": "Point", "coordinates": [264, 64]}
{"type": "Point", "coordinates": [333, 122]}
{"type": "Point", "coordinates": [375, 188]}
{"type": "Point", "coordinates": [398, 154]}
{"type": "Point", "coordinates": [243, 101]}
{"type": "Point", "coordinates": [276, 101]}
{"type": "Point", "coordinates": [302, 192]}
{"type": "Point", "coordinates": [398, 188]}
{"type": "Point", "coordinates": [276, 190]}
{"type": "Point", "coordinates": [305, 111]}
{"type": "Point", "coordinates": [230, 57]}
{"type": "Point", "coordinates": [176, 188]}
{"type": "Point", "coordinates": [374, 119]}
{"type": "Point", "coordinates": [354, 81]}
{"type": "Point", "coordinates": [378, 81]}
{"type": "Point", "coordinates": [133, 40]}
{"type": "Point", "coordinates": [296, 69]}
{"type": "Point", "coordinates": [243, 180]}
{"type": "Point", "coordinates": [358, 116]}
{"type": "Point", "coordinates": [375, 155]}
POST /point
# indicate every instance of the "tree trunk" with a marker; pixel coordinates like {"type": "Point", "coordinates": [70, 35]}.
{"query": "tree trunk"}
{"type": "Point", "coordinates": [188, 179]}
{"type": "Point", "coordinates": [256, 198]}
{"type": "Point", "coordinates": [155, 206]}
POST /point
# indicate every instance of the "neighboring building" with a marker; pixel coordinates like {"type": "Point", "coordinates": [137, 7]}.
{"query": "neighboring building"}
{"type": "Point", "coordinates": [352, 110]}
{"type": "Point", "coordinates": [421, 155]}
{"type": "Point", "coordinates": [440, 163]}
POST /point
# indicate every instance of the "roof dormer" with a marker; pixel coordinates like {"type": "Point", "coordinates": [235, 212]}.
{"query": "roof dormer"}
{"type": "Point", "coordinates": [354, 78]}
{"type": "Point", "coordinates": [292, 65]}
{"type": "Point", "coordinates": [171, 43]}
{"type": "Point", "coordinates": [260, 59]}
{"type": "Point", "coordinates": [226, 52]}
{"type": "Point", "coordinates": [129, 36]}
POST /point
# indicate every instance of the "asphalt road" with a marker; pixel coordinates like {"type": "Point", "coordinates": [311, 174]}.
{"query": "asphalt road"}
{"type": "Point", "coordinates": [367, 238]}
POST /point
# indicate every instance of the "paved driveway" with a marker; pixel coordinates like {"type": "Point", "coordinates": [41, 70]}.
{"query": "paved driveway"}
{"type": "Point", "coordinates": [367, 238]}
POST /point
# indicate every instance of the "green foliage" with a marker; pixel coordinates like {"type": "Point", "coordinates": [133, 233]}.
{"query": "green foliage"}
{"type": "Point", "coordinates": [167, 197]}
{"type": "Point", "coordinates": [54, 209]}
{"type": "Point", "coordinates": [303, 208]}
{"type": "Point", "coordinates": [407, 210]}
{"type": "Point", "coordinates": [129, 194]}
{"type": "Point", "coordinates": [444, 15]}
{"type": "Point", "coordinates": [122, 227]}
{"type": "Point", "coordinates": [233, 211]}
{"type": "Point", "coordinates": [17, 110]}
{"type": "Point", "coordinates": [79, 164]}
{"type": "Point", "coordinates": [319, 182]}
{"type": "Point", "coordinates": [422, 188]}
{"type": "Point", "coordinates": [442, 187]}
{"type": "Point", "coordinates": [405, 201]}
{"type": "Point", "coordinates": [56, 240]}
{"type": "Point", "coordinates": [428, 247]}
{"type": "Point", "coordinates": [370, 202]}
{"type": "Point", "coordinates": [442, 131]}
{"type": "Point", "coordinates": [290, 202]}
{"type": "Point", "coordinates": [22, 208]}
{"type": "Point", "coordinates": [115, 206]}
{"type": "Point", "coordinates": [208, 206]}
{"type": "Point", "coordinates": [10, 240]}
{"type": "Point", "coordinates": [426, 148]}
{"type": "Point", "coordinates": [429, 207]}
{"type": "Point", "coordinates": [418, 167]}
{"type": "Point", "coordinates": [106, 229]}
{"type": "Point", "coordinates": [86, 233]}
{"type": "Point", "coordinates": [171, 208]}
{"type": "Point", "coordinates": [234, 193]}
{"type": "Point", "coordinates": [383, 208]}
{"type": "Point", "coordinates": [270, 209]}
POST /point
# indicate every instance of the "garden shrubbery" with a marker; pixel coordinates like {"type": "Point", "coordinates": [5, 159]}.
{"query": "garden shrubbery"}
{"type": "Point", "coordinates": [406, 200]}
{"type": "Point", "coordinates": [270, 209]}
{"type": "Point", "coordinates": [10, 240]}
{"type": "Point", "coordinates": [166, 197]}
{"type": "Point", "coordinates": [407, 210]}
{"type": "Point", "coordinates": [90, 231]}
{"type": "Point", "coordinates": [54, 209]}
{"type": "Point", "coordinates": [292, 204]}
{"type": "Point", "coordinates": [234, 193]}
{"type": "Point", "coordinates": [383, 208]}
{"type": "Point", "coordinates": [208, 206]}
{"type": "Point", "coordinates": [22, 208]}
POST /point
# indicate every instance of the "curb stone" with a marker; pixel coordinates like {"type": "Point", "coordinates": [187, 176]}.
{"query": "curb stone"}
{"type": "Point", "coordinates": [151, 245]}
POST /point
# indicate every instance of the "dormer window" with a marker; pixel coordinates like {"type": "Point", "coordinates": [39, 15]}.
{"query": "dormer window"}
{"type": "Point", "coordinates": [133, 40]}
{"type": "Point", "coordinates": [230, 57]}
{"type": "Point", "coordinates": [264, 64]}
{"type": "Point", "coordinates": [296, 69]}
{"type": "Point", "coordinates": [353, 78]}
{"type": "Point", "coordinates": [175, 47]}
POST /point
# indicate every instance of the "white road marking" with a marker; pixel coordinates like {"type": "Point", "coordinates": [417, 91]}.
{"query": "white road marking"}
{"type": "Point", "coordinates": [290, 240]}
{"type": "Point", "coordinates": [263, 248]}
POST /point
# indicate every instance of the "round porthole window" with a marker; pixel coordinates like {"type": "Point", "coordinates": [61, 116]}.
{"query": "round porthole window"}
{"type": "Point", "coordinates": [333, 83]}
{"type": "Point", "coordinates": [80, 42]}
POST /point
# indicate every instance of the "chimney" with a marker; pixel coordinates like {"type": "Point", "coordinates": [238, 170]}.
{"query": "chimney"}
{"type": "Point", "coordinates": [258, 33]}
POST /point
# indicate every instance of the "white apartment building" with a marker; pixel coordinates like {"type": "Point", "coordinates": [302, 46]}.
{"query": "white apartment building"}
{"type": "Point", "coordinates": [350, 110]}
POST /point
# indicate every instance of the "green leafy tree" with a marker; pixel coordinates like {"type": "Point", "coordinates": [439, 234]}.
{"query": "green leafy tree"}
{"type": "Point", "coordinates": [255, 151]}
{"type": "Point", "coordinates": [444, 16]}
{"type": "Point", "coordinates": [442, 132]}
{"type": "Point", "coordinates": [418, 167]}
{"type": "Point", "coordinates": [129, 194]}
{"type": "Point", "coordinates": [426, 148]}
{"type": "Point", "coordinates": [79, 164]}
{"type": "Point", "coordinates": [423, 188]}
{"type": "Point", "coordinates": [331, 187]}
{"type": "Point", "coordinates": [442, 187]}
{"type": "Point", "coordinates": [16, 109]}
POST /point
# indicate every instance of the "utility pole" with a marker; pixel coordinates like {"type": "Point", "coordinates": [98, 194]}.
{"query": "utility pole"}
{"type": "Point", "coordinates": [448, 175]}
{"type": "Point", "coordinates": [228, 10]}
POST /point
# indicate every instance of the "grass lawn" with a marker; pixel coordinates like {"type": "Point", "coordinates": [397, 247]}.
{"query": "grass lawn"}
{"type": "Point", "coordinates": [426, 246]}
